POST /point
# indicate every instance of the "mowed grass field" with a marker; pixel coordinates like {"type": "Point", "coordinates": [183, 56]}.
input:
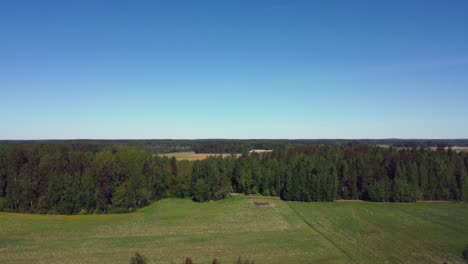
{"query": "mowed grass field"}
{"type": "Point", "coordinates": [281, 232]}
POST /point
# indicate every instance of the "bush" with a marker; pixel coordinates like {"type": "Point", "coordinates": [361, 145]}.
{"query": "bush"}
{"type": "Point", "coordinates": [42, 206]}
{"type": "Point", "coordinates": [83, 212]}
{"type": "Point", "coordinates": [39, 211]}
{"type": "Point", "coordinates": [188, 260]}
{"type": "Point", "coordinates": [138, 259]}
{"type": "Point", "coordinates": [465, 254]}
{"type": "Point", "coordinates": [216, 261]}
{"type": "Point", "coordinates": [118, 210]}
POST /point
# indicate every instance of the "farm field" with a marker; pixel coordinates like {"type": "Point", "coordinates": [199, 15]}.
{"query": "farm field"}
{"type": "Point", "coordinates": [266, 230]}
{"type": "Point", "coordinates": [455, 148]}
{"type": "Point", "coordinates": [191, 155]}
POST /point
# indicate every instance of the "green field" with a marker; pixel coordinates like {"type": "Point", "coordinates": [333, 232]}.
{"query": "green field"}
{"type": "Point", "coordinates": [284, 232]}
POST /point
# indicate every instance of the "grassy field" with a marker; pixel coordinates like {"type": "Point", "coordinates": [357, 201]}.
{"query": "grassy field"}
{"type": "Point", "coordinates": [277, 232]}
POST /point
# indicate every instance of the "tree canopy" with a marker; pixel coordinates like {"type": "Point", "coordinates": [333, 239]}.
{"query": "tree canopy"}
{"type": "Point", "coordinates": [58, 178]}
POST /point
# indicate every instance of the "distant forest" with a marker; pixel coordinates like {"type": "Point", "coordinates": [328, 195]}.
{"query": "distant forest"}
{"type": "Point", "coordinates": [236, 145]}
{"type": "Point", "coordinates": [109, 177]}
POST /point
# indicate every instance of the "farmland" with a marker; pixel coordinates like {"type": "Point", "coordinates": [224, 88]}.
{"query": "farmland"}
{"type": "Point", "coordinates": [267, 230]}
{"type": "Point", "coordinates": [191, 155]}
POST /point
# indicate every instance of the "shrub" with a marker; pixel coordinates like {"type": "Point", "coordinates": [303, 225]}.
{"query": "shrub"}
{"type": "Point", "coordinates": [188, 260]}
{"type": "Point", "coordinates": [216, 261]}
{"type": "Point", "coordinates": [465, 254]}
{"type": "Point", "coordinates": [118, 210]}
{"type": "Point", "coordinates": [83, 212]}
{"type": "Point", "coordinates": [40, 211]}
{"type": "Point", "coordinates": [138, 259]}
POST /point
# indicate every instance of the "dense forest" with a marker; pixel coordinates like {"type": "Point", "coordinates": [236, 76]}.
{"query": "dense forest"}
{"type": "Point", "coordinates": [91, 178]}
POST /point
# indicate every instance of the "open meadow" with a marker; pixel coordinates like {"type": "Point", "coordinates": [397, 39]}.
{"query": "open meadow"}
{"type": "Point", "coordinates": [267, 230]}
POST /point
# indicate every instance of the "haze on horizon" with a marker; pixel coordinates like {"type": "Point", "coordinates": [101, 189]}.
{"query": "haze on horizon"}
{"type": "Point", "coordinates": [243, 69]}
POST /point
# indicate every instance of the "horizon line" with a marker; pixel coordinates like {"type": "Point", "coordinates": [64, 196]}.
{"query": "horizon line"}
{"type": "Point", "coordinates": [195, 139]}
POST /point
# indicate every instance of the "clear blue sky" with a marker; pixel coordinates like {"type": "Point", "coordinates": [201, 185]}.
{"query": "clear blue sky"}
{"type": "Point", "coordinates": [233, 69]}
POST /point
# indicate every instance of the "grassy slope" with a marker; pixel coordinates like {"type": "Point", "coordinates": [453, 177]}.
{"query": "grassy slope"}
{"type": "Point", "coordinates": [290, 232]}
{"type": "Point", "coordinates": [393, 233]}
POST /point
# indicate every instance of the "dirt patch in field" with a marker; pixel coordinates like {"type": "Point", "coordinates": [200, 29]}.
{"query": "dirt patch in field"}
{"type": "Point", "coordinates": [264, 204]}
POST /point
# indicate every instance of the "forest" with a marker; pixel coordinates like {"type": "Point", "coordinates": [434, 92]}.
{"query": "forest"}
{"type": "Point", "coordinates": [89, 178]}
{"type": "Point", "coordinates": [234, 145]}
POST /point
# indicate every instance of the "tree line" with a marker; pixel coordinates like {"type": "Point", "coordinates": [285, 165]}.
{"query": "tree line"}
{"type": "Point", "coordinates": [58, 178]}
{"type": "Point", "coordinates": [232, 145]}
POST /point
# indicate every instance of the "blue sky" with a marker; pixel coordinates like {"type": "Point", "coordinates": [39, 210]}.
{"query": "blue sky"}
{"type": "Point", "coordinates": [233, 69]}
